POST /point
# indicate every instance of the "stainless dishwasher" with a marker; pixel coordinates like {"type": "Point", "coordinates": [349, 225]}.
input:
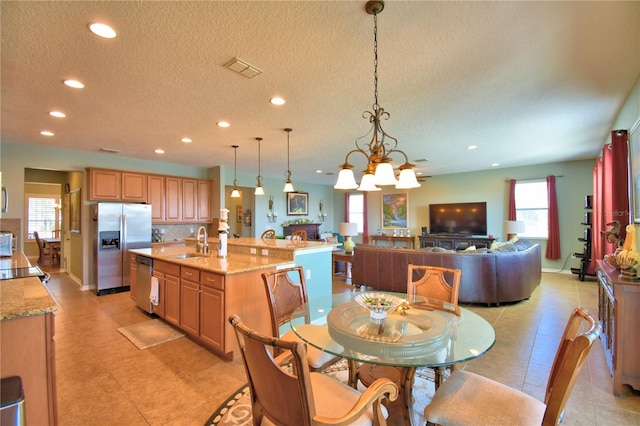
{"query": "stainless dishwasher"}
{"type": "Point", "coordinates": [144, 266]}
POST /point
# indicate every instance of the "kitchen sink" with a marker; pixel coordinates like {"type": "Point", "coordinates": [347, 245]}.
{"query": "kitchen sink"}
{"type": "Point", "coordinates": [185, 255]}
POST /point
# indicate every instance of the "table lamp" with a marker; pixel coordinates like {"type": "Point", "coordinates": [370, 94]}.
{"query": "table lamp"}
{"type": "Point", "coordinates": [513, 227]}
{"type": "Point", "coordinates": [348, 230]}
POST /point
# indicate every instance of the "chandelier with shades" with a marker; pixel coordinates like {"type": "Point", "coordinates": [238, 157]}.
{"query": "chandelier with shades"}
{"type": "Point", "coordinates": [380, 149]}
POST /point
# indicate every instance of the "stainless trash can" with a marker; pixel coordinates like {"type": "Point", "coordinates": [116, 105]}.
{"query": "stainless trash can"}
{"type": "Point", "coordinates": [12, 402]}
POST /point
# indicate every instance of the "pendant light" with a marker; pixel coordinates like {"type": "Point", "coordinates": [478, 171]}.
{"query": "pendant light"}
{"type": "Point", "coordinates": [378, 151]}
{"type": "Point", "coordinates": [235, 193]}
{"type": "Point", "coordinates": [288, 186]}
{"type": "Point", "coordinates": [259, 189]}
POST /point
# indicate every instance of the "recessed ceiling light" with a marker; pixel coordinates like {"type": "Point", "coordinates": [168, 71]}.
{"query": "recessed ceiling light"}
{"type": "Point", "coordinates": [46, 133]}
{"type": "Point", "coordinates": [102, 30]}
{"type": "Point", "coordinates": [186, 140]}
{"type": "Point", "coordinates": [278, 101]}
{"type": "Point", "coordinates": [74, 83]}
{"type": "Point", "coordinates": [57, 114]}
{"type": "Point", "coordinates": [318, 171]}
{"type": "Point", "coordinates": [470, 147]}
{"type": "Point", "coordinates": [159, 151]}
{"type": "Point", "coordinates": [495, 164]}
{"type": "Point", "coordinates": [223, 124]}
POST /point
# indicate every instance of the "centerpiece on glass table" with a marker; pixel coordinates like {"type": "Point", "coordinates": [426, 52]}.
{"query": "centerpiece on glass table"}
{"type": "Point", "coordinates": [378, 304]}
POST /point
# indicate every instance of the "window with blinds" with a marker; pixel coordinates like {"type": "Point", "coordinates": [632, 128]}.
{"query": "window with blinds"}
{"type": "Point", "coordinates": [43, 215]}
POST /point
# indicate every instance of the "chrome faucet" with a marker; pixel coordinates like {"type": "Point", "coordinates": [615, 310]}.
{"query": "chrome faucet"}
{"type": "Point", "coordinates": [205, 244]}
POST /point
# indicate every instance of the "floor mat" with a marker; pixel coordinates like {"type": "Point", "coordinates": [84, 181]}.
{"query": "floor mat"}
{"type": "Point", "coordinates": [147, 334]}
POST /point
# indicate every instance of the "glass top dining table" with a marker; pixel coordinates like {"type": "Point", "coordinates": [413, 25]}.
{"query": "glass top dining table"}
{"type": "Point", "coordinates": [423, 333]}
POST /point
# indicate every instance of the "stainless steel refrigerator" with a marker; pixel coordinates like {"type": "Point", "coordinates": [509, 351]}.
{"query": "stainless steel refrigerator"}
{"type": "Point", "coordinates": [117, 228]}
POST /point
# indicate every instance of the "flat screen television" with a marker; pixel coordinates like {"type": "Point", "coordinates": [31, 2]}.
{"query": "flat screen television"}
{"type": "Point", "coordinates": [458, 218]}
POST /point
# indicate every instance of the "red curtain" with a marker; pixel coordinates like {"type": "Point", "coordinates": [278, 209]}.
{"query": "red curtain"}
{"type": "Point", "coordinates": [610, 193]}
{"type": "Point", "coordinates": [553, 243]}
{"type": "Point", "coordinates": [511, 214]}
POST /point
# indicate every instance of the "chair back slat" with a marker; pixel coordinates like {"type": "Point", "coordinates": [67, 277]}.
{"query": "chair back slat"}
{"type": "Point", "coordinates": [431, 282]}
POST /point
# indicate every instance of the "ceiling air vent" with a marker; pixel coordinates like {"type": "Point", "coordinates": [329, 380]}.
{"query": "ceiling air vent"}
{"type": "Point", "coordinates": [243, 68]}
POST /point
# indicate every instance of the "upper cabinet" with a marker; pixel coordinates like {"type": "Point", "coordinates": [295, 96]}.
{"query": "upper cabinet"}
{"type": "Point", "coordinates": [115, 185]}
{"type": "Point", "coordinates": [173, 199]}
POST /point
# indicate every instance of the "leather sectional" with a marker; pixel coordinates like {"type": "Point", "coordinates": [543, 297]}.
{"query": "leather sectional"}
{"type": "Point", "coordinates": [490, 277]}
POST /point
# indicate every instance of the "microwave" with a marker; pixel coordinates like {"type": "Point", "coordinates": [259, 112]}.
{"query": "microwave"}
{"type": "Point", "coordinates": [6, 243]}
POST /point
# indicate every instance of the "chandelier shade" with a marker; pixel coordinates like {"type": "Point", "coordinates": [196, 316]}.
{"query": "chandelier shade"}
{"type": "Point", "coordinates": [382, 147]}
{"type": "Point", "coordinates": [235, 193]}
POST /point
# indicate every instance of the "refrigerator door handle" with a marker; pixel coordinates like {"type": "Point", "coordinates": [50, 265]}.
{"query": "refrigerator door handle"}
{"type": "Point", "coordinates": [123, 233]}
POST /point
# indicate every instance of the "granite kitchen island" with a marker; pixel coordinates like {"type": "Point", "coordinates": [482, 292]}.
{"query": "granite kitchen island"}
{"type": "Point", "coordinates": [197, 293]}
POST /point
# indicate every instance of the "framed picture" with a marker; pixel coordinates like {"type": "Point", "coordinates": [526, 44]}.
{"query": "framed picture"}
{"type": "Point", "coordinates": [239, 214]}
{"type": "Point", "coordinates": [395, 210]}
{"type": "Point", "coordinates": [75, 210]}
{"type": "Point", "coordinates": [297, 203]}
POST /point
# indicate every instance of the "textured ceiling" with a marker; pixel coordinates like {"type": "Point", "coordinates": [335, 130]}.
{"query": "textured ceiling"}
{"type": "Point", "coordinates": [527, 82]}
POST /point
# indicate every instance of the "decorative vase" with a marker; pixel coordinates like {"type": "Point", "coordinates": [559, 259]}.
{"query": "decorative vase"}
{"type": "Point", "coordinates": [349, 245]}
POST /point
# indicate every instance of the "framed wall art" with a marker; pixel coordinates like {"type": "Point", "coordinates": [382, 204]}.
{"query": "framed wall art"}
{"type": "Point", "coordinates": [297, 203]}
{"type": "Point", "coordinates": [395, 210]}
{"type": "Point", "coordinates": [75, 209]}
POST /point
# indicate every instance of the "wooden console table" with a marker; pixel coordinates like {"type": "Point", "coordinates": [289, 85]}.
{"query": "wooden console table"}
{"type": "Point", "coordinates": [391, 240]}
{"type": "Point", "coordinates": [342, 256]}
{"type": "Point", "coordinates": [313, 229]}
{"type": "Point", "coordinates": [454, 242]}
{"type": "Point", "coordinates": [618, 307]}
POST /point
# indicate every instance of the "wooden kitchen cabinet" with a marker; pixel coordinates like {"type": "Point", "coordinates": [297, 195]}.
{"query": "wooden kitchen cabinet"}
{"type": "Point", "coordinates": [159, 308]}
{"type": "Point", "coordinates": [105, 185]}
{"type": "Point", "coordinates": [156, 197]}
{"type": "Point", "coordinates": [204, 200]}
{"type": "Point", "coordinates": [134, 187]}
{"type": "Point", "coordinates": [212, 314]}
{"type": "Point", "coordinates": [190, 300]}
{"type": "Point", "coordinates": [116, 185]}
{"type": "Point", "coordinates": [168, 275]}
{"type": "Point", "coordinates": [189, 200]}
{"type": "Point", "coordinates": [173, 199]}
{"type": "Point", "coordinates": [618, 307]}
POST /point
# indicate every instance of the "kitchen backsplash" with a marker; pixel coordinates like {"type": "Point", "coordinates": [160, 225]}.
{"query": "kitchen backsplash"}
{"type": "Point", "coordinates": [178, 232]}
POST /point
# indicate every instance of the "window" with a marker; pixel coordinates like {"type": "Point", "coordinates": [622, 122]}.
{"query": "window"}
{"type": "Point", "coordinates": [356, 211]}
{"type": "Point", "coordinates": [532, 208]}
{"type": "Point", "coordinates": [43, 215]}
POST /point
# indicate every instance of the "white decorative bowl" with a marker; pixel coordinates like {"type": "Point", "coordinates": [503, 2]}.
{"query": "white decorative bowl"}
{"type": "Point", "coordinates": [378, 304]}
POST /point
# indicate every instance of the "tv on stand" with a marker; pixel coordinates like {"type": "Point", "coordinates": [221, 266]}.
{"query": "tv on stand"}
{"type": "Point", "coordinates": [458, 219]}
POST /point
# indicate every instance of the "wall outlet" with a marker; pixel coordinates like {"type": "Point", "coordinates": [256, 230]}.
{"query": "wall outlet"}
{"type": "Point", "coordinates": [308, 274]}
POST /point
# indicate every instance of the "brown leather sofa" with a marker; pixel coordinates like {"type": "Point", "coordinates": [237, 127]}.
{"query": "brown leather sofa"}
{"type": "Point", "coordinates": [490, 277]}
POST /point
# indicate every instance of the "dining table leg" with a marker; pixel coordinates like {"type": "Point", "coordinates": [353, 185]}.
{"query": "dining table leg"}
{"type": "Point", "coordinates": [353, 373]}
{"type": "Point", "coordinates": [408, 376]}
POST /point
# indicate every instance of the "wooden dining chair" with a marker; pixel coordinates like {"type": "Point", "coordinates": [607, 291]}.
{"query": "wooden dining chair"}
{"type": "Point", "coordinates": [426, 285]}
{"type": "Point", "coordinates": [297, 396]}
{"type": "Point", "coordinates": [45, 254]}
{"type": "Point", "coordinates": [468, 398]}
{"type": "Point", "coordinates": [269, 234]}
{"type": "Point", "coordinates": [286, 291]}
{"type": "Point", "coordinates": [300, 235]}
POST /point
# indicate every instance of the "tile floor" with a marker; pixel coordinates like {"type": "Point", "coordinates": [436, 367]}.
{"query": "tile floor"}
{"type": "Point", "coordinates": [103, 379]}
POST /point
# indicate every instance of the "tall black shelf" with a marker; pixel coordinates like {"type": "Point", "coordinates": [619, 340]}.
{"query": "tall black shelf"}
{"type": "Point", "coordinates": [585, 255]}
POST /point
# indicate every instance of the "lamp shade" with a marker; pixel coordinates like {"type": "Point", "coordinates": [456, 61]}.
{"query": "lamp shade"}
{"type": "Point", "coordinates": [513, 226]}
{"type": "Point", "coordinates": [346, 180]}
{"type": "Point", "coordinates": [368, 183]}
{"type": "Point", "coordinates": [384, 175]}
{"type": "Point", "coordinates": [407, 180]}
{"type": "Point", "coordinates": [348, 229]}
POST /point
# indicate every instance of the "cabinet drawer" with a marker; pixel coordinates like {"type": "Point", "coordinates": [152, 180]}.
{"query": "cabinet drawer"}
{"type": "Point", "coordinates": [212, 280]}
{"type": "Point", "coordinates": [190, 274]}
{"type": "Point", "coordinates": [167, 268]}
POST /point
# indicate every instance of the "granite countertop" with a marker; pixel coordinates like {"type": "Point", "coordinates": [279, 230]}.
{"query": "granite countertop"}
{"type": "Point", "coordinates": [23, 297]}
{"type": "Point", "coordinates": [261, 243]}
{"type": "Point", "coordinates": [234, 263]}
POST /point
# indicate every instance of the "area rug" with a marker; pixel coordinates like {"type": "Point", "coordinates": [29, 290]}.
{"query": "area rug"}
{"type": "Point", "coordinates": [236, 410]}
{"type": "Point", "coordinates": [151, 333]}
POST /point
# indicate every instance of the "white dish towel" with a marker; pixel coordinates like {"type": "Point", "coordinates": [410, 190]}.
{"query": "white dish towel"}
{"type": "Point", "coordinates": [153, 294]}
